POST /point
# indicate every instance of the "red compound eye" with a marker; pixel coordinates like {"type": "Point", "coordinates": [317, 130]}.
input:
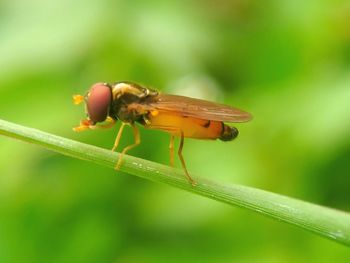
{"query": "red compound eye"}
{"type": "Point", "coordinates": [98, 102]}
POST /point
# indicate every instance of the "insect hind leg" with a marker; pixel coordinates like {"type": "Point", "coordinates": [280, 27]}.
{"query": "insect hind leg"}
{"type": "Point", "coordinates": [175, 131]}
{"type": "Point", "coordinates": [193, 182]}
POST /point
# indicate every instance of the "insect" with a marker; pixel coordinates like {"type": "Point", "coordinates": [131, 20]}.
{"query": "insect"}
{"type": "Point", "coordinates": [180, 116]}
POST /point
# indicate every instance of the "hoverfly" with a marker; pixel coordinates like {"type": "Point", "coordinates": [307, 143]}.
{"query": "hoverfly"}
{"type": "Point", "coordinates": [180, 116]}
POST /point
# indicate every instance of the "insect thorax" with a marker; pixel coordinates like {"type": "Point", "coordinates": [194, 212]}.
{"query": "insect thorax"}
{"type": "Point", "coordinates": [119, 108]}
{"type": "Point", "coordinates": [124, 94]}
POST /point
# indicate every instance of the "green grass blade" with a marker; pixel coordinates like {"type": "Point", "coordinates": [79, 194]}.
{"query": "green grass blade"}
{"type": "Point", "coordinates": [327, 222]}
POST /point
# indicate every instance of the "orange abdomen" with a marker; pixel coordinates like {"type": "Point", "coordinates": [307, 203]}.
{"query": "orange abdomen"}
{"type": "Point", "coordinates": [191, 127]}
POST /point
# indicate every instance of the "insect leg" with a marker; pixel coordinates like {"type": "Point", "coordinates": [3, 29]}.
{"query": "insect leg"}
{"type": "Point", "coordinates": [84, 125]}
{"type": "Point", "coordinates": [182, 159]}
{"type": "Point", "coordinates": [171, 150]}
{"type": "Point", "coordinates": [119, 135]}
{"type": "Point", "coordinates": [88, 125]}
{"type": "Point", "coordinates": [137, 142]}
{"type": "Point", "coordinates": [175, 131]}
{"type": "Point", "coordinates": [109, 123]}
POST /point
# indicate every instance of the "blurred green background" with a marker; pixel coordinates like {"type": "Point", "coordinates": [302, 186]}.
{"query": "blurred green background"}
{"type": "Point", "coordinates": [287, 62]}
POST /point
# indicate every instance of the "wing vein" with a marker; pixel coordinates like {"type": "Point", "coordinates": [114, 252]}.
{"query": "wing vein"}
{"type": "Point", "coordinates": [197, 108]}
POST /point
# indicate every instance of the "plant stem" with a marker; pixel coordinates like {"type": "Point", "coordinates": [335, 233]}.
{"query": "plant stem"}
{"type": "Point", "coordinates": [327, 222]}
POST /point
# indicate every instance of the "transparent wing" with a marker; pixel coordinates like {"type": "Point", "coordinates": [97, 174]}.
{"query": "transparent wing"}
{"type": "Point", "coordinates": [197, 108]}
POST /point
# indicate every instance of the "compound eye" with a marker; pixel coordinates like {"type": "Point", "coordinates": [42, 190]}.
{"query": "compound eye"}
{"type": "Point", "coordinates": [98, 101]}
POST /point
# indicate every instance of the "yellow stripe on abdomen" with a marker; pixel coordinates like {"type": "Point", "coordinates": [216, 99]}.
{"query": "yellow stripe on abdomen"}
{"type": "Point", "coordinates": [191, 127]}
